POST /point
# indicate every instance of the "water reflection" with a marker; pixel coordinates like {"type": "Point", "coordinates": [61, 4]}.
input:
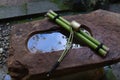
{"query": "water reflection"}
{"type": "Point", "coordinates": [48, 42]}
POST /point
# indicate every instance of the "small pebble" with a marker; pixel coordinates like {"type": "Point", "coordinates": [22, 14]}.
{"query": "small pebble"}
{"type": "Point", "coordinates": [8, 24]}
{"type": "Point", "coordinates": [7, 77]}
{"type": "Point", "coordinates": [1, 50]}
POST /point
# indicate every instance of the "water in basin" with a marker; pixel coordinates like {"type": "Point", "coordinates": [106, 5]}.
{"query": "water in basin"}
{"type": "Point", "coordinates": [48, 42]}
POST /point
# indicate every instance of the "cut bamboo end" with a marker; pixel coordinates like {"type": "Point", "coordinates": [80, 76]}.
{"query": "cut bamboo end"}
{"type": "Point", "coordinates": [47, 13]}
{"type": "Point", "coordinates": [50, 11]}
{"type": "Point", "coordinates": [103, 53]}
{"type": "Point", "coordinates": [75, 25]}
{"type": "Point", "coordinates": [105, 48]}
{"type": "Point", "coordinates": [108, 49]}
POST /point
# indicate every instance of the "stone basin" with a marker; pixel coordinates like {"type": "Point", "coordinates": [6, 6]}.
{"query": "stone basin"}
{"type": "Point", "coordinates": [23, 65]}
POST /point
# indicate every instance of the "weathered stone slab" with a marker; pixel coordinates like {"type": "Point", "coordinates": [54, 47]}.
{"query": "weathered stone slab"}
{"type": "Point", "coordinates": [105, 27]}
{"type": "Point", "coordinates": [11, 11]}
{"type": "Point", "coordinates": [41, 7]}
{"type": "Point", "coordinates": [12, 2]}
{"type": "Point", "coordinates": [26, 8]}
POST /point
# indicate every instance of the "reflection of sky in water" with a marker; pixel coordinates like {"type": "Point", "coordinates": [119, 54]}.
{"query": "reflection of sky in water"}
{"type": "Point", "coordinates": [47, 42]}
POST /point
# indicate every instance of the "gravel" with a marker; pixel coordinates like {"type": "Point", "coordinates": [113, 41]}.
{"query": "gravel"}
{"type": "Point", "coordinates": [4, 45]}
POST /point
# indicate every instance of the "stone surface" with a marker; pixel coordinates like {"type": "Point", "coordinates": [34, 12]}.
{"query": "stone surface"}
{"type": "Point", "coordinates": [15, 8]}
{"type": "Point", "coordinates": [22, 64]}
{"type": "Point", "coordinates": [41, 7]}
{"type": "Point", "coordinates": [11, 11]}
{"type": "Point", "coordinates": [32, 7]}
{"type": "Point", "coordinates": [115, 8]}
{"type": "Point", "coordinates": [13, 2]}
{"type": "Point", "coordinates": [116, 70]}
{"type": "Point", "coordinates": [95, 74]}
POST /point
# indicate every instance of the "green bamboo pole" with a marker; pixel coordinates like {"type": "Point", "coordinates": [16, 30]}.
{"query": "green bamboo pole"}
{"type": "Point", "coordinates": [83, 33]}
{"type": "Point", "coordinates": [91, 44]}
{"type": "Point", "coordinates": [94, 40]}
